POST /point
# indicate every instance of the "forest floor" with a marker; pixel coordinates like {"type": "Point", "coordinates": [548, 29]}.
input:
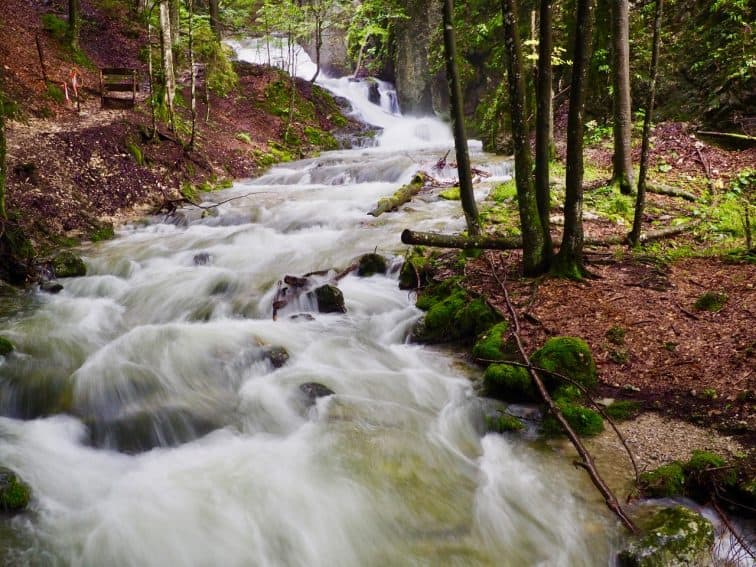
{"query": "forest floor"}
{"type": "Point", "coordinates": [73, 172]}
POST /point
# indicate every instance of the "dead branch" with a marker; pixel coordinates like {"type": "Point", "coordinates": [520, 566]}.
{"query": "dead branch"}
{"type": "Point", "coordinates": [401, 196]}
{"type": "Point", "coordinates": [587, 459]}
{"type": "Point", "coordinates": [726, 521]}
{"type": "Point", "coordinates": [671, 192]}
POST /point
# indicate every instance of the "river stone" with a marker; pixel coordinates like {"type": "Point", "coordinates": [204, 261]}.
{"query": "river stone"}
{"type": "Point", "coordinates": [14, 492]}
{"type": "Point", "coordinates": [50, 287]}
{"type": "Point", "coordinates": [672, 537]}
{"type": "Point", "coordinates": [276, 355]}
{"type": "Point", "coordinates": [370, 264]}
{"type": "Point", "coordinates": [6, 347]}
{"type": "Point", "coordinates": [315, 390]}
{"type": "Point", "coordinates": [201, 259]}
{"type": "Point", "coordinates": [68, 265]}
{"type": "Point", "coordinates": [374, 95]}
{"type": "Point", "coordinates": [330, 299]}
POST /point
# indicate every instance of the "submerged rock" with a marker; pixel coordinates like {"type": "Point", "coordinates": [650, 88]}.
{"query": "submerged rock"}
{"type": "Point", "coordinates": [68, 265]}
{"type": "Point", "coordinates": [330, 299]}
{"type": "Point", "coordinates": [308, 394]}
{"type": "Point", "coordinates": [370, 264]}
{"type": "Point", "coordinates": [14, 492]}
{"type": "Point", "coordinates": [50, 287]}
{"type": "Point", "coordinates": [672, 537]}
{"type": "Point", "coordinates": [202, 259]}
{"type": "Point", "coordinates": [6, 347]}
{"type": "Point", "coordinates": [276, 355]}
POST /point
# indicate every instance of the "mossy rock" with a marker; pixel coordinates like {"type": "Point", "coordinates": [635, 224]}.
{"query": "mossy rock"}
{"type": "Point", "coordinates": [585, 421]}
{"type": "Point", "coordinates": [416, 271]}
{"type": "Point", "coordinates": [330, 299]}
{"type": "Point", "coordinates": [370, 264]}
{"type": "Point", "coordinates": [68, 265]}
{"type": "Point", "coordinates": [450, 194]}
{"type": "Point", "coordinates": [491, 345]}
{"type": "Point", "coordinates": [665, 481]}
{"type": "Point", "coordinates": [510, 383]}
{"type": "Point", "coordinates": [14, 492]}
{"type": "Point", "coordinates": [502, 423]}
{"type": "Point", "coordinates": [672, 537]}
{"type": "Point", "coordinates": [569, 356]}
{"type": "Point", "coordinates": [474, 318]}
{"type": "Point", "coordinates": [6, 347]}
{"type": "Point", "coordinates": [711, 301]}
{"type": "Point", "coordinates": [622, 410]}
{"type": "Point", "coordinates": [706, 472]}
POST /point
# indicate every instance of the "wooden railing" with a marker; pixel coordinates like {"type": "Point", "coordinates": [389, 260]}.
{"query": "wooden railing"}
{"type": "Point", "coordinates": [116, 84]}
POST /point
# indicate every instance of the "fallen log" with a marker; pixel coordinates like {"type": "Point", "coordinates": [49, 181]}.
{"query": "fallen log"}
{"type": "Point", "coordinates": [483, 241]}
{"type": "Point", "coordinates": [402, 195]}
{"type": "Point", "coordinates": [671, 192]}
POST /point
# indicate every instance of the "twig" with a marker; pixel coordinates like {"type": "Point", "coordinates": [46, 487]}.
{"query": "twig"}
{"type": "Point", "coordinates": [685, 311]}
{"type": "Point", "coordinates": [587, 460]}
{"type": "Point", "coordinates": [726, 521]}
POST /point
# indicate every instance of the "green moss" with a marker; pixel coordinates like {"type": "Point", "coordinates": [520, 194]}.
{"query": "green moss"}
{"type": "Point", "coordinates": [320, 138]}
{"type": "Point", "coordinates": [68, 265]}
{"type": "Point", "coordinates": [502, 423]}
{"type": "Point", "coordinates": [568, 392]}
{"type": "Point", "coordinates": [506, 191]}
{"type": "Point", "coordinates": [439, 320]}
{"type": "Point", "coordinates": [711, 301]}
{"type": "Point", "coordinates": [585, 421]}
{"type": "Point", "coordinates": [450, 194]}
{"type": "Point", "coordinates": [474, 318]}
{"type": "Point", "coordinates": [103, 232]}
{"type": "Point", "coordinates": [6, 347]}
{"type": "Point", "coordinates": [370, 264]}
{"type": "Point", "coordinates": [616, 335]}
{"type": "Point", "coordinates": [667, 480]}
{"type": "Point", "coordinates": [14, 493]}
{"type": "Point", "coordinates": [621, 410]}
{"type": "Point", "coordinates": [55, 93]}
{"type": "Point", "coordinates": [416, 271]}
{"type": "Point", "coordinates": [705, 469]}
{"type": "Point", "coordinates": [671, 536]}
{"type": "Point", "coordinates": [56, 26]}
{"type": "Point", "coordinates": [243, 137]}
{"type": "Point", "coordinates": [569, 356]}
{"type": "Point", "coordinates": [136, 152]}
{"type": "Point", "coordinates": [490, 345]}
{"type": "Point", "coordinates": [509, 383]}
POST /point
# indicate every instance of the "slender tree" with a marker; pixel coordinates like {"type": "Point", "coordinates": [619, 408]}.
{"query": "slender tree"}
{"type": "Point", "coordinates": [74, 22]}
{"type": "Point", "coordinates": [534, 247]}
{"type": "Point", "coordinates": [215, 17]}
{"type": "Point", "coordinates": [194, 74]}
{"type": "Point", "coordinates": [166, 50]}
{"type": "Point", "coordinates": [3, 167]}
{"type": "Point", "coordinates": [175, 21]}
{"type": "Point", "coordinates": [622, 162]}
{"type": "Point", "coordinates": [467, 196]}
{"type": "Point", "coordinates": [640, 200]}
{"type": "Point", "coordinates": [569, 261]}
{"type": "Point", "coordinates": [544, 117]}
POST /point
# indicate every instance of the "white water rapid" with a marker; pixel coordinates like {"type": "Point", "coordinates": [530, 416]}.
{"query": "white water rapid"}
{"type": "Point", "coordinates": [146, 411]}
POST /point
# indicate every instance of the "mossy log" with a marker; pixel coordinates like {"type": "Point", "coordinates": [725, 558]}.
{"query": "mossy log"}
{"type": "Point", "coordinates": [402, 195]}
{"type": "Point", "coordinates": [671, 192]}
{"type": "Point", "coordinates": [439, 240]}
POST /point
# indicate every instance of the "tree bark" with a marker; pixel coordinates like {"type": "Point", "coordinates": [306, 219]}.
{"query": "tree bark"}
{"type": "Point", "coordinates": [622, 162]}
{"type": "Point", "coordinates": [215, 18]}
{"type": "Point", "coordinates": [640, 200]}
{"type": "Point", "coordinates": [544, 116]}
{"type": "Point", "coordinates": [318, 45]}
{"type": "Point", "coordinates": [194, 74]}
{"type": "Point", "coordinates": [402, 195]}
{"type": "Point", "coordinates": [534, 255]}
{"type": "Point", "coordinates": [175, 21]}
{"type": "Point", "coordinates": [569, 261]}
{"type": "Point", "coordinates": [3, 164]}
{"type": "Point", "coordinates": [169, 79]}
{"type": "Point", "coordinates": [466, 194]}
{"type": "Point", "coordinates": [74, 22]}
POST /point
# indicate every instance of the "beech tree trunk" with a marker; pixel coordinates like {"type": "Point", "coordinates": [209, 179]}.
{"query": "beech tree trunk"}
{"type": "Point", "coordinates": [175, 21]}
{"type": "Point", "coordinates": [74, 22]}
{"type": "Point", "coordinates": [458, 123]}
{"type": "Point", "coordinates": [169, 79]}
{"type": "Point", "coordinates": [569, 261]}
{"type": "Point", "coordinates": [640, 200]}
{"type": "Point", "coordinates": [318, 45]}
{"type": "Point", "coordinates": [3, 165]}
{"type": "Point", "coordinates": [535, 256]}
{"type": "Point", "coordinates": [215, 18]}
{"type": "Point", "coordinates": [544, 118]}
{"type": "Point", "coordinates": [622, 162]}
{"type": "Point", "coordinates": [194, 74]}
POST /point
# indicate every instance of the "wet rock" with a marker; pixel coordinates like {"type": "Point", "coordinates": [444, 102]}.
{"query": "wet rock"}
{"type": "Point", "coordinates": [301, 317]}
{"type": "Point", "coordinates": [68, 265]}
{"type": "Point", "coordinates": [672, 537]}
{"type": "Point", "coordinates": [370, 264]}
{"type": "Point", "coordinates": [6, 347]}
{"type": "Point", "coordinates": [416, 271]}
{"type": "Point", "coordinates": [50, 287]}
{"type": "Point", "coordinates": [314, 390]}
{"type": "Point", "coordinates": [276, 355]}
{"type": "Point", "coordinates": [330, 299]}
{"type": "Point", "coordinates": [202, 259]}
{"type": "Point", "coordinates": [374, 94]}
{"type": "Point", "coordinates": [14, 492]}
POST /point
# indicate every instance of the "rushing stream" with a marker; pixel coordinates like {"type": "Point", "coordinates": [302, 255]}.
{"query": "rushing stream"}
{"type": "Point", "coordinates": [176, 434]}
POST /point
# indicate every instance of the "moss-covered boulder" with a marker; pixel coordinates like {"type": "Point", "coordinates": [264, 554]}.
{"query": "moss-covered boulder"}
{"type": "Point", "coordinates": [568, 356]}
{"type": "Point", "coordinates": [672, 537]}
{"type": "Point", "coordinates": [370, 264]}
{"type": "Point", "coordinates": [510, 383]}
{"type": "Point", "coordinates": [585, 421]}
{"type": "Point", "coordinates": [664, 481]}
{"type": "Point", "coordinates": [416, 271]}
{"type": "Point", "coordinates": [14, 492]}
{"type": "Point", "coordinates": [6, 347]}
{"type": "Point", "coordinates": [68, 265]}
{"type": "Point", "coordinates": [330, 299]}
{"type": "Point", "coordinates": [494, 344]}
{"type": "Point", "coordinates": [503, 423]}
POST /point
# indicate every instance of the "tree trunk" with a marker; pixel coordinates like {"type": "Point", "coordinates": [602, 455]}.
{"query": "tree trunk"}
{"type": "Point", "coordinates": [169, 79]}
{"type": "Point", "coordinates": [3, 165]}
{"type": "Point", "coordinates": [458, 124]}
{"type": "Point", "coordinates": [175, 21]}
{"type": "Point", "coordinates": [544, 117]}
{"type": "Point", "coordinates": [640, 200]}
{"type": "Point", "coordinates": [534, 254]}
{"type": "Point", "coordinates": [194, 74]}
{"type": "Point", "coordinates": [623, 123]}
{"type": "Point", "coordinates": [569, 261]}
{"type": "Point", "coordinates": [318, 45]}
{"type": "Point", "coordinates": [74, 22]}
{"type": "Point", "coordinates": [215, 18]}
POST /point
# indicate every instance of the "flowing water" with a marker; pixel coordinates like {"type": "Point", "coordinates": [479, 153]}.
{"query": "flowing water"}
{"type": "Point", "coordinates": [146, 409]}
